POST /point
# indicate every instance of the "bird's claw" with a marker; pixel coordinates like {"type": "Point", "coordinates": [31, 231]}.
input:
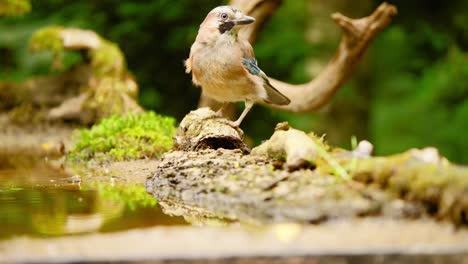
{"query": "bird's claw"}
{"type": "Point", "coordinates": [234, 125]}
{"type": "Point", "coordinates": [219, 113]}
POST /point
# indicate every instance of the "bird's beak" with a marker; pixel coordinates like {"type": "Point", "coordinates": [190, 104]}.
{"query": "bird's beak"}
{"type": "Point", "coordinates": [245, 20]}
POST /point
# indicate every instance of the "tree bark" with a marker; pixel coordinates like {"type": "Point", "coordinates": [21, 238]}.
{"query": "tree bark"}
{"type": "Point", "coordinates": [357, 35]}
{"type": "Point", "coordinates": [296, 177]}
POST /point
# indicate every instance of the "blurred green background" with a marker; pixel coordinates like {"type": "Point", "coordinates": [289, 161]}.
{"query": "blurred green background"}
{"type": "Point", "coordinates": [410, 90]}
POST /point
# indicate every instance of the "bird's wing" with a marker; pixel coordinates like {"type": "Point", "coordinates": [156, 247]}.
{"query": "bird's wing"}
{"type": "Point", "coordinates": [189, 67]}
{"type": "Point", "coordinates": [250, 64]}
{"type": "Point", "coordinates": [188, 62]}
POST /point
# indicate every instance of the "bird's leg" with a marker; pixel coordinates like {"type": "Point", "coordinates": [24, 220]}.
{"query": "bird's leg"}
{"type": "Point", "coordinates": [248, 106]}
{"type": "Point", "coordinates": [220, 111]}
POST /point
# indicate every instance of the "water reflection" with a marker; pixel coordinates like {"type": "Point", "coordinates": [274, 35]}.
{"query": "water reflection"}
{"type": "Point", "coordinates": [39, 200]}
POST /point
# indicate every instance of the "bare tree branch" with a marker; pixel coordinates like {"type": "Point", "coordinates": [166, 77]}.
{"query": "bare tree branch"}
{"type": "Point", "coordinates": [357, 34]}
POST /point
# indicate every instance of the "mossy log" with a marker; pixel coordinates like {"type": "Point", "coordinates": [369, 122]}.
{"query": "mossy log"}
{"type": "Point", "coordinates": [202, 129]}
{"type": "Point", "coordinates": [420, 176]}
{"type": "Point", "coordinates": [44, 91]}
{"type": "Point", "coordinates": [230, 185]}
{"type": "Point", "coordinates": [295, 177]}
{"type": "Point", "coordinates": [99, 87]}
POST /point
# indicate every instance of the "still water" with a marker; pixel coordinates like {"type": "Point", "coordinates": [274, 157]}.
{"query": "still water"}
{"type": "Point", "coordinates": [38, 200]}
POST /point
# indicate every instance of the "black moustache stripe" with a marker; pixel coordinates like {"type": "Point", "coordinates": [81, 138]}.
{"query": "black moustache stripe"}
{"type": "Point", "coordinates": [226, 26]}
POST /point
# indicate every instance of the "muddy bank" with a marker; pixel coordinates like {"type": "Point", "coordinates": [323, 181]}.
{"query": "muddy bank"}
{"type": "Point", "coordinates": [131, 172]}
{"type": "Point", "coordinates": [44, 139]}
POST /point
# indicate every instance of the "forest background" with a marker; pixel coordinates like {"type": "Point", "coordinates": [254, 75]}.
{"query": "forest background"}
{"type": "Point", "coordinates": [410, 89]}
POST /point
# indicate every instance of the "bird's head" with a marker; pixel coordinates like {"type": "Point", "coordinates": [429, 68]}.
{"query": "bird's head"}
{"type": "Point", "coordinates": [226, 19]}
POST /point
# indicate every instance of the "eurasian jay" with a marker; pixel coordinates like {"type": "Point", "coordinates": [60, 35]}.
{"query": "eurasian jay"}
{"type": "Point", "coordinates": [224, 66]}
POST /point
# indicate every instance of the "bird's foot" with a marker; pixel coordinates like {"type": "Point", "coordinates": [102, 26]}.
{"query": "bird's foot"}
{"type": "Point", "coordinates": [220, 118]}
{"type": "Point", "coordinates": [230, 123]}
{"type": "Point", "coordinates": [233, 124]}
{"type": "Point", "coordinates": [219, 113]}
{"type": "Point", "coordinates": [214, 116]}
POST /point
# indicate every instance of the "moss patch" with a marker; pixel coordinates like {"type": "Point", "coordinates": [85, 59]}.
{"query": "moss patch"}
{"type": "Point", "coordinates": [106, 88]}
{"type": "Point", "coordinates": [441, 187]}
{"type": "Point", "coordinates": [107, 60]}
{"type": "Point", "coordinates": [14, 7]}
{"type": "Point", "coordinates": [133, 136]}
{"type": "Point", "coordinates": [48, 38]}
{"type": "Point", "coordinates": [109, 98]}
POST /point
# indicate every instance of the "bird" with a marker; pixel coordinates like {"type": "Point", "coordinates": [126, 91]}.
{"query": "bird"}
{"type": "Point", "coordinates": [223, 63]}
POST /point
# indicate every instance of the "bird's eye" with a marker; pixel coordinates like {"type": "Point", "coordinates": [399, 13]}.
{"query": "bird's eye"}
{"type": "Point", "coordinates": [224, 16]}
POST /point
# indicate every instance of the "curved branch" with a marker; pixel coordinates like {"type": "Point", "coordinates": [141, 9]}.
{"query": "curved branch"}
{"type": "Point", "coordinates": [358, 33]}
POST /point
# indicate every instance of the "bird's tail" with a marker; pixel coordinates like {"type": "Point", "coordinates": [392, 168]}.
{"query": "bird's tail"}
{"type": "Point", "coordinates": [273, 95]}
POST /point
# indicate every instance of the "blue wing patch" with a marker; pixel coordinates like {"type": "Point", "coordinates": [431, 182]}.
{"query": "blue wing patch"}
{"type": "Point", "coordinates": [251, 66]}
{"type": "Point", "coordinates": [273, 95]}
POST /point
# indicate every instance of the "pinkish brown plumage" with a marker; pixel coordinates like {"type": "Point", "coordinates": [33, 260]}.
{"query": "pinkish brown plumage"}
{"type": "Point", "coordinates": [224, 66]}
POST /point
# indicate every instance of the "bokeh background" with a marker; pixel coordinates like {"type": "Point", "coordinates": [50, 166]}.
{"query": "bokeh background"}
{"type": "Point", "coordinates": [410, 89]}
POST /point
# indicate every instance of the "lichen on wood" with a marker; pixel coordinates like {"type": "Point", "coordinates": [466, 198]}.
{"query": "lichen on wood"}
{"type": "Point", "coordinates": [441, 187]}
{"type": "Point", "coordinates": [294, 147]}
{"type": "Point", "coordinates": [228, 184]}
{"type": "Point", "coordinates": [202, 129]}
{"type": "Point", "coordinates": [267, 187]}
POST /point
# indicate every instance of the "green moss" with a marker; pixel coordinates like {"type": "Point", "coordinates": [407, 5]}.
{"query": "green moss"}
{"type": "Point", "coordinates": [14, 7]}
{"type": "Point", "coordinates": [107, 59]}
{"type": "Point", "coordinates": [319, 141]}
{"type": "Point", "coordinates": [113, 82]}
{"type": "Point", "coordinates": [109, 98]}
{"type": "Point", "coordinates": [133, 136]}
{"type": "Point", "coordinates": [47, 38]}
{"type": "Point", "coordinates": [441, 187]}
{"type": "Point", "coordinates": [327, 163]}
{"type": "Point", "coordinates": [111, 88]}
